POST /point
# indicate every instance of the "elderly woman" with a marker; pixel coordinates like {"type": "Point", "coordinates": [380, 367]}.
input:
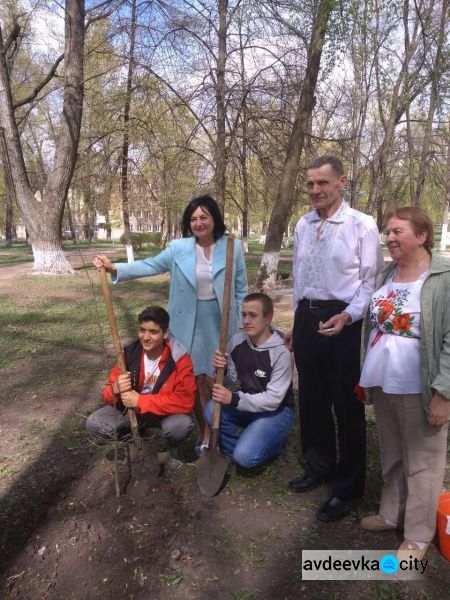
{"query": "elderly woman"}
{"type": "Point", "coordinates": [197, 273]}
{"type": "Point", "coordinates": [407, 371]}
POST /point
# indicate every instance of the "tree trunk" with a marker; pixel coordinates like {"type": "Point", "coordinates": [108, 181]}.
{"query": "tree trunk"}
{"type": "Point", "coordinates": [220, 172]}
{"type": "Point", "coordinates": [443, 246]}
{"type": "Point", "coordinates": [9, 216]}
{"type": "Point", "coordinates": [408, 86]}
{"type": "Point", "coordinates": [244, 167]}
{"type": "Point", "coordinates": [360, 97]}
{"type": "Point", "coordinates": [409, 140]}
{"type": "Point", "coordinates": [43, 215]}
{"type": "Point", "coordinates": [71, 225]}
{"type": "Point", "coordinates": [283, 203]}
{"type": "Point", "coordinates": [126, 138]}
{"type": "Point", "coordinates": [9, 188]}
{"type": "Point", "coordinates": [436, 74]}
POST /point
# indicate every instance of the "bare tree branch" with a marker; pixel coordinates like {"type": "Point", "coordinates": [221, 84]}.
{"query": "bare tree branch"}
{"type": "Point", "coordinates": [43, 83]}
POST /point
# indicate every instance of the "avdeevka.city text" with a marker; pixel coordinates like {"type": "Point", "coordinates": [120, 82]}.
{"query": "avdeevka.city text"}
{"type": "Point", "coordinates": [361, 564]}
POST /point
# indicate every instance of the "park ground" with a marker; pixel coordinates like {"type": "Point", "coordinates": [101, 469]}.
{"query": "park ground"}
{"type": "Point", "coordinates": [63, 532]}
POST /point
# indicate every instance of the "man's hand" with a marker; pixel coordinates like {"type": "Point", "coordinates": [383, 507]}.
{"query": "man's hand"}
{"type": "Point", "coordinates": [439, 410]}
{"type": "Point", "coordinates": [288, 340]}
{"type": "Point", "coordinates": [130, 399]}
{"type": "Point", "coordinates": [335, 325]}
{"type": "Point", "coordinates": [124, 383]}
{"type": "Point", "coordinates": [103, 261]}
{"type": "Point", "coordinates": [221, 394]}
{"type": "Point", "coordinates": [219, 360]}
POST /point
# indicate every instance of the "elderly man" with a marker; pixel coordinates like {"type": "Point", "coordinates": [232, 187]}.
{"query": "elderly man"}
{"type": "Point", "coordinates": [337, 256]}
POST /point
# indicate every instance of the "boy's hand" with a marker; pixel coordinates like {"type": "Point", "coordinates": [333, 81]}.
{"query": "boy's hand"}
{"type": "Point", "coordinates": [219, 360]}
{"type": "Point", "coordinates": [130, 399]}
{"type": "Point", "coordinates": [124, 383]}
{"type": "Point", "coordinates": [221, 394]}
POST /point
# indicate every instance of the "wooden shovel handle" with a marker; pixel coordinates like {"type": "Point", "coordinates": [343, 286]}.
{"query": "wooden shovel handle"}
{"type": "Point", "coordinates": [224, 321]}
{"type": "Point", "coordinates": [118, 347]}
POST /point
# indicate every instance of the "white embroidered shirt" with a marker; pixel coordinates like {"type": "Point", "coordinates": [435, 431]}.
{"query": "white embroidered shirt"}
{"type": "Point", "coordinates": [339, 264]}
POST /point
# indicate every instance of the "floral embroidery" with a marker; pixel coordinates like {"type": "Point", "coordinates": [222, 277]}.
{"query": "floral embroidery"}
{"type": "Point", "coordinates": [386, 309]}
{"type": "Point", "coordinates": [386, 313]}
{"type": "Point", "coordinates": [402, 323]}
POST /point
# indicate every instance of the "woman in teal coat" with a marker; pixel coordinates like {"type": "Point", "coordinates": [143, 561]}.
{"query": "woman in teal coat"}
{"type": "Point", "coordinates": [197, 273]}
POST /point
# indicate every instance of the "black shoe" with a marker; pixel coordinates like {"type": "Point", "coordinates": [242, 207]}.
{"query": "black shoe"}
{"type": "Point", "coordinates": [304, 483]}
{"type": "Point", "coordinates": [334, 509]}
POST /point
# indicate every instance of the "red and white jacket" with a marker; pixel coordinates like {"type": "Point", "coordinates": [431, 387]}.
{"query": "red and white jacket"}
{"type": "Point", "coordinates": [174, 390]}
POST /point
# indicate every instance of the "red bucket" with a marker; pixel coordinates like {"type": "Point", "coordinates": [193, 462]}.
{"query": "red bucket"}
{"type": "Point", "coordinates": [443, 524]}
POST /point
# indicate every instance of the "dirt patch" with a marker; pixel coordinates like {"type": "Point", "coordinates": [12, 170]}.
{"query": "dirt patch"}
{"type": "Point", "coordinates": [64, 534]}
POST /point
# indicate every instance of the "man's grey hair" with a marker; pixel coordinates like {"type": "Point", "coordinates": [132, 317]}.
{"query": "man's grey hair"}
{"type": "Point", "coordinates": [328, 159]}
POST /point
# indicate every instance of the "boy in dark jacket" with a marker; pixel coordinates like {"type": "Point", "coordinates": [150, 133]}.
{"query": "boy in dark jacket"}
{"type": "Point", "coordinates": [159, 384]}
{"type": "Point", "coordinates": [257, 417]}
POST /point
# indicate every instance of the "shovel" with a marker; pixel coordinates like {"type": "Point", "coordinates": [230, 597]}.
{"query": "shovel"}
{"type": "Point", "coordinates": [118, 348]}
{"type": "Point", "coordinates": [212, 466]}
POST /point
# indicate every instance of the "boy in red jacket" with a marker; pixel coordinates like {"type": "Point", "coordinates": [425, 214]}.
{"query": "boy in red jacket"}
{"type": "Point", "coordinates": [159, 384]}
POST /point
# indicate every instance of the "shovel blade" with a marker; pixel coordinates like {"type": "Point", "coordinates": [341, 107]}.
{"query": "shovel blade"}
{"type": "Point", "coordinates": [211, 469]}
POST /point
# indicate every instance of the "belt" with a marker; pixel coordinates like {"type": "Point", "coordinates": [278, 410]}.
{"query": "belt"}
{"type": "Point", "coordinates": [309, 304]}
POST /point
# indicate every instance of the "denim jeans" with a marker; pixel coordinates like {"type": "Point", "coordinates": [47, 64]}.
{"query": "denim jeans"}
{"type": "Point", "coordinates": [262, 434]}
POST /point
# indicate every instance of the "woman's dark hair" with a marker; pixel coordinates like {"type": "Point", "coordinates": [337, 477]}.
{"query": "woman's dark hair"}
{"type": "Point", "coordinates": [419, 219]}
{"type": "Point", "coordinates": [157, 314]}
{"type": "Point", "coordinates": [212, 207]}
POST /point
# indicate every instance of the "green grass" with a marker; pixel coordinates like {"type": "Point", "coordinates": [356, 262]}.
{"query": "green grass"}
{"type": "Point", "coordinates": [172, 578]}
{"type": "Point", "coordinates": [51, 314]}
{"type": "Point", "coordinates": [253, 556]}
{"type": "Point", "coordinates": [225, 540]}
{"type": "Point", "coordinates": [18, 253]}
{"type": "Point", "coordinates": [54, 314]}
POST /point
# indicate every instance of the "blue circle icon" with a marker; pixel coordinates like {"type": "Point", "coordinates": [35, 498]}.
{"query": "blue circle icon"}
{"type": "Point", "coordinates": [389, 564]}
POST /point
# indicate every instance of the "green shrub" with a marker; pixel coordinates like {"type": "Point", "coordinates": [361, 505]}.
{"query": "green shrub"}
{"type": "Point", "coordinates": [141, 240]}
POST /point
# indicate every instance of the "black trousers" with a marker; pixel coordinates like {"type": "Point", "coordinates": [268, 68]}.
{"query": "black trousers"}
{"type": "Point", "coordinates": [328, 369]}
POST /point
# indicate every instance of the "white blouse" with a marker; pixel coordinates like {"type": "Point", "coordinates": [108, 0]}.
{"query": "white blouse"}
{"type": "Point", "coordinates": [393, 355]}
{"type": "Point", "coordinates": [203, 271]}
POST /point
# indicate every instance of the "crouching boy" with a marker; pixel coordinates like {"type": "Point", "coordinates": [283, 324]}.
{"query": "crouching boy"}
{"type": "Point", "coordinates": [159, 385]}
{"type": "Point", "coordinates": [257, 417]}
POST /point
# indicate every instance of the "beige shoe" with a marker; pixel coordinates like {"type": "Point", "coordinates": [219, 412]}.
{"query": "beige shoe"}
{"type": "Point", "coordinates": [410, 550]}
{"type": "Point", "coordinates": [376, 523]}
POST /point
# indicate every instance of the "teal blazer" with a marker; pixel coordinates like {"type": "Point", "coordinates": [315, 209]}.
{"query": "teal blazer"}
{"type": "Point", "coordinates": [179, 259]}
